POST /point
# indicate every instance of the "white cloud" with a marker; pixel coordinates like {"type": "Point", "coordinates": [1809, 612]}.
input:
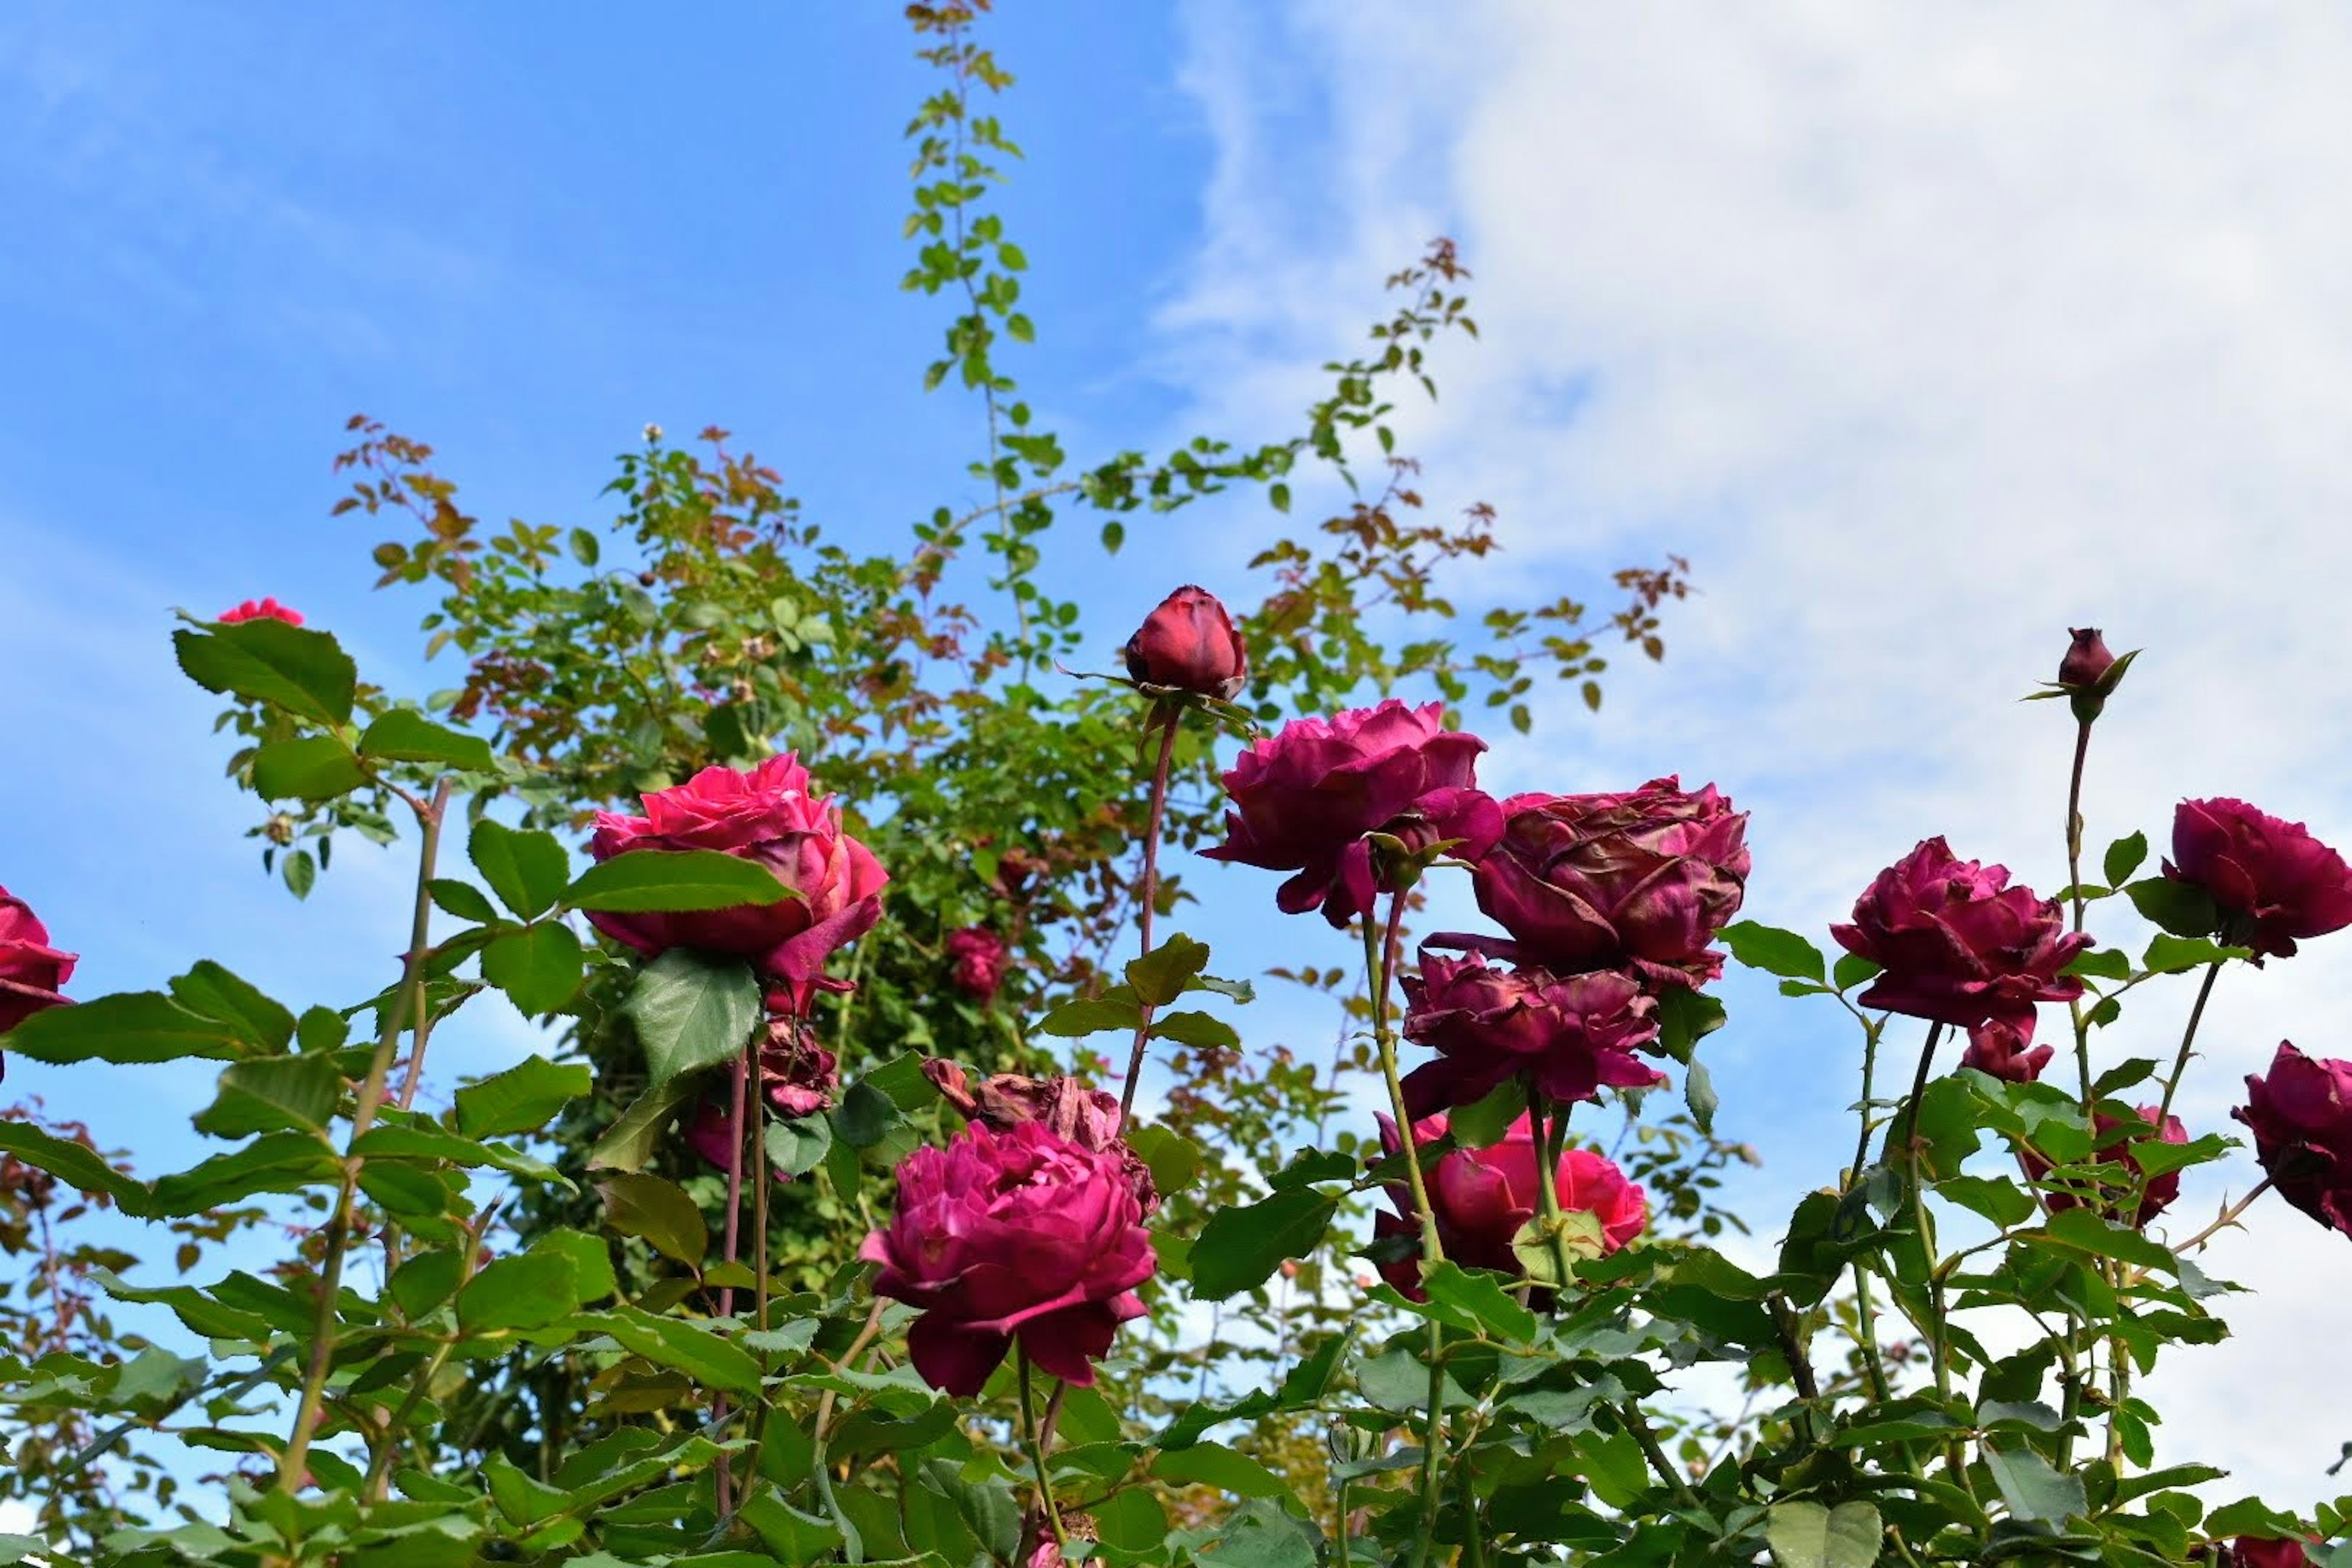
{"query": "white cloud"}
{"type": "Point", "coordinates": [1925, 334]}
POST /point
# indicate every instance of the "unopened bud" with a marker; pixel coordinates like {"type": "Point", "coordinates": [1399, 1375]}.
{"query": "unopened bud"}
{"type": "Point", "coordinates": [1189, 644]}
{"type": "Point", "coordinates": [2087, 660]}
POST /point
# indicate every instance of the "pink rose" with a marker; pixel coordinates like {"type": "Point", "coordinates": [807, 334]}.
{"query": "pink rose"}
{"type": "Point", "coordinates": [1958, 944]}
{"type": "Point", "coordinates": [977, 956]}
{"type": "Point", "coordinates": [2157, 1191]}
{"type": "Point", "coordinates": [2004, 1048]}
{"type": "Point", "coordinates": [1489, 1026]}
{"type": "Point", "coordinates": [769, 817]}
{"type": "Point", "coordinates": [1189, 643]}
{"type": "Point", "coordinates": [2300, 1113]}
{"type": "Point", "coordinates": [259, 610]}
{"type": "Point", "coordinates": [1482, 1197]}
{"type": "Point", "coordinates": [1304, 800]}
{"type": "Point", "coordinates": [2273, 882]}
{"type": "Point", "coordinates": [32, 973]}
{"type": "Point", "coordinates": [1639, 881]}
{"type": "Point", "coordinates": [1002, 1237]}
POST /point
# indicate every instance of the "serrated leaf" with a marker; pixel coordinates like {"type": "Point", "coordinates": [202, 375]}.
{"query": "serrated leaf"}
{"type": "Point", "coordinates": [1240, 1247]}
{"type": "Point", "coordinates": [2123, 857]}
{"type": "Point", "coordinates": [640, 1204]}
{"type": "Point", "coordinates": [538, 967]}
{"type": "Point", "coordinates": [1480, 1300]}
{"type": "Point", "coordinates": [527, 869]}
{"type": "Point", "coordinates": [527, 1292]}
{"type": "Point", "coordinates": [2168, 955]}
{"type": "Point", "coordinates": [309, 767]}
{"type": "Point", "coordinates": [408, 736]}
{"type": "Point", "coordinates": [1196, 1029]}
{"type": "Point", "coordinates": [72, 1163]}
{"type": "Point", "coordinates": [797, 1145]}
{"type": "Point", "coordinates": [1807, 1535]}
{"type": "Point", "coordinates": [1092, 1016]}
{"type": "Point", "coordinates": [633, 1140]}
{"type": "Point", "coordinates": [129, 1028]}
{"type": "Point", "coordinates": [1851, 969]}
{"type": "Point", "coordinates": [462, 900]}
{"type": "Point", "coordinates": [1173, 1159]}
{"type": "Point", "coordinates": [679, 1345]}
{"type": "Point", "coordinates": [302, 671]}
{"type": "Point", "coordinates": [523, 1099]}
{"type": "Point", "coordinates": [2031, 1489]}
{"type": "Point", "coordinates": [692, 1010]}
{"type": "Point", "coordinates": [649, 880]}
{"type": "Point", "coordinates": [1774, 950]}
{"type": "Point", "coordinates": [277, 1093]}
{"type": "Point", "coordinates": [1161, 976]}
{"type": "Point", "coordinates": [2180, 908]}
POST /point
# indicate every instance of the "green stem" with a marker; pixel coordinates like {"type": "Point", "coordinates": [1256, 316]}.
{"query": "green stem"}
{"type": "Point", "coordinates": [2188, 1038]}
{"type": "Point", "coordinates": [1148, 898]}
{"type": "Point", "coordinates": [1939, 1343]}
{"type": "Point", "coordinates": [1037, 1451]}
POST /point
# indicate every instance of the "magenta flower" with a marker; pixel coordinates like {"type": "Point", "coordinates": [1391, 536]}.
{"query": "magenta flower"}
{"type": "Point", "coordinates": [32, 973]}
{"type": "Point", "coordinates": [977, 957]}
{"type": "Point", "coordinates": [1189, 643]}
{"type": "Point", "coordinates": [1061, 1105]}
{"type": "Point", "coordinates": [2004, 1046]}
{"type": "Point", "coordinates": [1958, 944]}
{"type": "Point", "coordinates": [1004, 1236]}
{"type": "Point", "coordinates": [260, 610]}
{"type": "Point", "coordinates": [1488, 1025]}
{"type": "Point", "coordinates": [2272, 881]}
{"type": "Point", "coordinates": [1304, 800]}
{"type": "Point", "coordinates": [2300, 1113]}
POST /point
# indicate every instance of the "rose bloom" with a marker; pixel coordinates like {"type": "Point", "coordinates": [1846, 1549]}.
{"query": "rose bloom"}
{"type": "Point", "coordinates": [2274, 883]}
{"type": "Point", "coordinates": [1640, 881]}
{"type": "Point", "coordinates": [1482, 1197]}
{"type": "Point", "coordinates": [2004, 1046]}
{"type": "Point", "coordinates": [769, 817]}
{"type": "Point", "coordinates": [32, 973]}
{"type": "Point", "coordinates": [1002, 1237]}
{"type": "Point", "coordinates": [1488, 1025]}
{"type": "Point", "coordinates": [977, 957]}
{"type": "Point", "coordinates": [2156, 1194]}
{"type": "Point", "coordinates": [260, 610]}
{"type": "Point", "coordinates": [2300, 1113]}
{"type": "Point", "coordinates": [1304, 799]}
{"type": "Point", "coordinates": [2262, 1551]}
{"type": "Point", "coordinates": [1189, 643]}
{"type": "Point", "coordinates": [1960, 945]}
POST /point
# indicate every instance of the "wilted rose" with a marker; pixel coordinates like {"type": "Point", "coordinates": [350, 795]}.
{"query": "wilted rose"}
{"type": "Point", "coordinates": [1063, 1106]}
{"type": "Point", "coordinates": [1482, 1197]}
{"type": "Point", "coordinates": [1640, 880]}
{"type": "Point", "coordinates": [2004, 1046]}
{"type": "Point", "coordinates": [2156, 1193]}
{"type": "Point", "coordinates": [1571, 1034]}
{"type": "Point", "coordinates": [31, 972]}
{"type": "Point", "coordinates": [1958, 944]}
{"type": "Point", "coordinates": [1189, 643]}
{"type": "Point", "coordinates": [1305, 798]}
{"type": "Point", "coordinates": [976, 956]}
{"type": "Point", "coordinates": [2300, 1113]}
{"type": "Point", "coordinates": [768, 817]}
{"type": "Point", "coordinates": [797, 1077]}
{"type": "Point", "coordinates": [1002, 1237]}
{"type": "Point", "coordinates": [260, 610]}
{"type": "Point", "coordinates": [2272, 881]}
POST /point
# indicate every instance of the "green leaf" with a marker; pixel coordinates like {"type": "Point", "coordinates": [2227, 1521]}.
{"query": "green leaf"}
{"type": "Point", "coordinates": [1851, 969]}
{"type": "Point", "coordinates": [2123, 857]}
{"type": "Point", "coordinates": [72, 1163]}
{"type": "Point", "coordinates": [462, 900]}
{"type": "Point", "coordinates": [2031, 1489]}
{"type": "Point", "coordinates": [1999, 1201]}
{"type": "Point", "coordinates": [273, 1163]}
{"type": "Point", "coordinates": [538, 967]}
{"type": "Point", "coordinates": [642, 880]}
{"type": "Point", "coordinates": [406, 735]}
{"type": "Point", "coordinates": [1093, 1015]}
{"type": "Point", "coordinates": [1807, 1535]}
{"type": "Point", "coordinates": [1196, 1029]}
{"type": "Point", "coordinates": [1483, 1122]}
{"type": "Point", "coordinates": [1173, 1159]}
{"type": "Point", "coordinates": [692, 1010]}
{"type": "Point", "coordinates": [527, 1292]}
{"type": "Point", "coordinates": [523, 1099]}
{"type": "Point", "coordinates": [1699, 1094]}
{"type": "Point", "coordinates": [1481, 1301]}
{"type": "Point", "coordinates": [1686, 1018]}
{"type": "Point", "coordinates": [681, 1345]}
{"type": "Point", "coordinates": [1214, 1465]}
{"type": "Point", "coordinates": [217, 992]}
{"type": "Point", "coordinates": [129, 1028]}
{"type": "Point", "coordinates": [2101, 964]}
{"type": "Point", "coordinates": [2083, 1230]}
{"type": "Point", "coordinates": [2168, 955]}
{"type": "Point", "coordinates": [637, 1204]}
{"type": "Point", "coordinates": [1239, 1248]}
{"type": "Point", "coordinates": [303, 672]}
{"type": "Point", "coordinates": [424, 1282]}
{"type": "Point", "coordinates": [2122, 1076]}
{"type": "Point", "coordinates": [796, 1538]}
{"type": "Point", "coordinates": [866, 1116]}
{"type": "Point", "coordinates": [2182, 907]}
{"type": "Point", "coordinates": [1774, 950]}
{"type": "Point", "coordinates": [633, 1140]}
{"type": "Point", "coordinates": [2156, 1158]}
{"type": "Point", "coordinates": [310, 767]}
{"type": "Point", "coordinates": [592, 1261]}
{"type": "Point", "coordinates": [300, 870]}
{"type": "Point", "coordinates": [1161, 975]}
{"type": "Point", "coordinates": [1131, 1521]}
{"type": "Point", "coordinates": [798, 1145]}
{"type": "Point", "coordinates": [526, 869]}
{"type": "Point", "coordinates": [275, 1093]}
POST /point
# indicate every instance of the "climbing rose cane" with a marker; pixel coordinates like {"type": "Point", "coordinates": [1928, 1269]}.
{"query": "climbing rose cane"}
{"type": "Point", "coordinates": [1488, 1026]}
{"type": "Point", "coordinates": [2273, 883]}
{"type": "Point", "coordinates": [1002, 1237]}
{"type": "Point", "coordinates": [2300, 1116]}
{"type": "Point", "coordinates": [1957, 944]}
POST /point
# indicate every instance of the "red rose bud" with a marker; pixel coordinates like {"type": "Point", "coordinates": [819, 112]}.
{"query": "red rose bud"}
{"type": "Point", "coordinates": [1305, 799]}
{"type": "Point", "coordinates": [977, 956]}
{"type": "Point", "coordinates": [2087, 659]}
{"type": "Point", "coordinates": [2155, 1193]}
{"type": "Point", "coordinates": [2003, 1048]}
{"type": "Point", "coordinates": [1012, 1236]}
{"type": "Point", "coordinates": [1189, 644]}
{"type": "Point", "coordinates": [1958, 944]}
{"type": "Point", "coordinates": [1489, 1026]}
{"type": "Point", "coordinates": [1639, 881]}
{"type": "Point", "coordinates": [769, 817]}
{"type": "Point", "coordinates": [260, 610]}
{"type": "Point", "coordinates": [2300, 1113]}
{"type": "Point", "coordinates": [1482, 1197]}
{"type": "Point", "coordinates": [32, 973]}
{"type": "Point", "coordinates": [2272, 881]}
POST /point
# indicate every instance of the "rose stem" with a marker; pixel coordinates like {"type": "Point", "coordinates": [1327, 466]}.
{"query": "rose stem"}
{"type": "Point", "coordinates": [1864, 1311]}
{"type": "Point", "coordinates": [1939, 1345]}
{"type": "Point", "coordinates": [2229, 1218]}
{"type": "Point", "coordinates": [2188, 1037]}
{"type": "Point", "coordinates": [1148, 898]}
{"type": "Point", "coordinates": [1037, 1449]}
{"type": "Point", "coordinates": [2074, 889]}
{"type": "Point", "coordinates": [734, 1241]}
{"type": "Point", "coordinates": [420, 1017]}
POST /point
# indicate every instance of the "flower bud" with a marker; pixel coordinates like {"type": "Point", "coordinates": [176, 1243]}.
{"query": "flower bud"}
{"type": "Point", "coordinates": [1189, 644]}
{"type": "Point", "coordinates": [2087, 660]}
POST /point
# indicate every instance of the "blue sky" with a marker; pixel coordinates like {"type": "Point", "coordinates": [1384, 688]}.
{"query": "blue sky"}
{"type": "Point", "coordinates": [1926, 339]}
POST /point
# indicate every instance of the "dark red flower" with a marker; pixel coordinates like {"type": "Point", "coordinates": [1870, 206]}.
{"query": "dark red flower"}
{"type": "Point", "coordinates": [1304, 800]}
{"type": "Point", "coordinates": [1482, 1197]}
{"type": "Point", "coordinates": [1063, 1106]}
{"type": "Point", "coordinates": [2272, 881]}
{"type": "Point", "coordinates": [1957, 944]}
{"type": "Point", "coordinates": [2300, 1113]}
{"type": "Point", "coordinates": [2264, 1551]}
{"type": "Point", "coordinates": [260, 609]}
{"type": "Point", "coordinates": [1640, 880]}
{"type": "Point", "coordinates": [2087, 659]}
{"type": "Point", "coordinates": [1012, 1236]}
{"type": "Point", "coordinates": [1189, 643]}
{"type": "Point", "coordinates": [1488, 1025]}
{"type": "Point", "coordinates": [2004, 1046]}
{"type": "Point", "coordinates": [977, 956]}
{"type": "Point", "coordinates": [2156, 1193]}
{"type": "Point", "coordinates": [32, 973]}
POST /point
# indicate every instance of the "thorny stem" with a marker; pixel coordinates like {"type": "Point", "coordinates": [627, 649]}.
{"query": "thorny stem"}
{"type": "Point", "coordinates": [1029, 1439]}
{"type": "Point", "coordinates": [1150, 897]}
{"type": "Point", "coordinates": [1865, 1311]}
{"type": "Point", "coordinates": [2229, 1218]}
{"type": "Point", "coordinates": [2188, 1038]}
{"type": "Point", "coordinates": [386, 1442]}
{"type": "Point", "coordinates": [293, 1465]}
{"type": "Point", "coordinates": [742, 1074]}
{"type": "Point", "coordinates": [2074, 887]}
{"type": "Point", "coordinates": [420, 1017]}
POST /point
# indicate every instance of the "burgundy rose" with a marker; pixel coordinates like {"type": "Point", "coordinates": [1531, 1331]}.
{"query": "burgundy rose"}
{"type": "Point", "coordinates": [1488, 1025]}
{"type": "Point", "coordinates": [260, 610]}
{"type": "Point", "coordinates": [2272, 881]}
{"type": "Point", "coordinates": [2156, 1193]}
{"type": "Point", "coordinates": [1304, 800]}
{"type": "Point", "coordinates": [1640, 880]}
{"type": "Point", "coordinates": [768, 817]}
{"type": "Point", "coordinates": [1482, 1197]}
{"type": "Point", "coordinates": [1189, 643]}
{"type": "Point", "coordinates": [31, 970]}
{"type": "Point", "coordinates": [2087, 659]}
{"type": "Point", "coordinates": [1958, 944]}
{"type": "Point", "coordinates": [1012, 1236]}
{"type": "Point", "coordinates": [797, 1077]}
{"type": "Point", "coordinates": [2004, 1046]}
{"type": "Point", "coordinates": [977, 957]}
{"type": "Point", "coordinates": [2262, 1552]}
{"type": "Point", "coordinates": [2300, 1116]}
{"type": "Point", "coordinates": [1063, 1106]}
